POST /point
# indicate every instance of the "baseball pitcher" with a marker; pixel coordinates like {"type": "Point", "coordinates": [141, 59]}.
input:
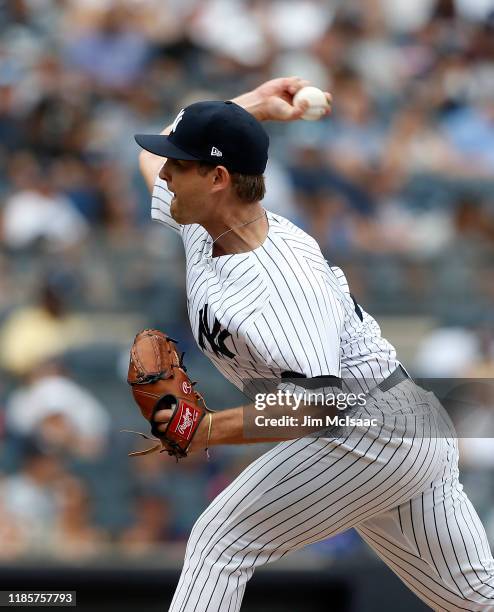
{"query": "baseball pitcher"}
{"type": "Point", "coordinates": [265, 305]}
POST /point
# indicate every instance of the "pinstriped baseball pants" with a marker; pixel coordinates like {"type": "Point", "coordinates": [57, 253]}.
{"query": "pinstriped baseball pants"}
{"type": "Point", "coordinates": [396, 483]}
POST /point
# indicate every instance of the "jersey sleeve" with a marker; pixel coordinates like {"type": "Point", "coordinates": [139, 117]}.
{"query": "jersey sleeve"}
{"type": "Point", "coordinates": [160, 205]}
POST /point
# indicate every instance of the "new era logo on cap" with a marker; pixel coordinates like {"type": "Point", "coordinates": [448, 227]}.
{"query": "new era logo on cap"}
{"type": "Point", "coordinates": [210, 131]}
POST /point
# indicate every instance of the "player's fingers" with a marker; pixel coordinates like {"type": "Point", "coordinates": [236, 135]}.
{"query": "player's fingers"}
{"type": "Point", "coordinates": [296, 83]}
{"type": "Point", "coordinates": [329, 98]}
{"type": "Point", "coordinates": [162, 416]}
{"type": "Point", "coordinates": [280, 109]}
{"type": "Point", "coordinates": [284, 111]}
{"type": "Point", "coordinates": [299, 109]}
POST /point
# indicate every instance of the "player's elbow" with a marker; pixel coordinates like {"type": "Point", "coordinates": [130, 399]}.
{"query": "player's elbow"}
{"type": "Point", "coordinates": [144, 161]}
{"type": "Point", "coordinates": [149, 165]}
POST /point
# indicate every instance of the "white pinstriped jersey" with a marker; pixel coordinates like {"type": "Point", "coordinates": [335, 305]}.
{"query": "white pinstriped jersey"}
{"type": "Point", "coordinates": [279, 308]}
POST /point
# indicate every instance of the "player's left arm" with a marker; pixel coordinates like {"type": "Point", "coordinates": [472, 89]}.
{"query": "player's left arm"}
{"type": "Point", "coordinates": [228, 426]}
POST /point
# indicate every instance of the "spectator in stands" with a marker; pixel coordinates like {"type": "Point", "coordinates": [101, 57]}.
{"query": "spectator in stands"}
{"type": "Point", "coordinates": [63, 416]}
{"type": "Point", "coordinates": [74, 534]}
{"type": "Point", "coordinates": [28, 497]}
{"type": "Point", "coordinates": [151, 528]}
{"type": "Point", "coordinates": [32, 334]}
{"type": "Point", "coordinates": [114, 53]}
{"type": "Point", "coordinates": [37, 214]}
{"type": "Point", "coordinates": [14, 535]}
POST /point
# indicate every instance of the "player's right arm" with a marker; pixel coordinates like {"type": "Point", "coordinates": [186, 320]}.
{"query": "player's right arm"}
{"type": "Point", "coordinates": [271, 101]}
{"type": "Point", "coordinates": [150, 164]}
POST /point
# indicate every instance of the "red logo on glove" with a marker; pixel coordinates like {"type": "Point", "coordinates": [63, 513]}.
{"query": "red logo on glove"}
{"type": "Point", "coordinates": [185, 420]}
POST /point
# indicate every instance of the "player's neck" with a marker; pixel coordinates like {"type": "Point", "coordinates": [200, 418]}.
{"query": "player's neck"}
{"type": "Point", "coordinates": [238, 229]}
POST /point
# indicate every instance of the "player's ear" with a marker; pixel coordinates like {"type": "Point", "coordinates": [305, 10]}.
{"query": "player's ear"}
{"type": "Point", "coordinates": [220, 178]}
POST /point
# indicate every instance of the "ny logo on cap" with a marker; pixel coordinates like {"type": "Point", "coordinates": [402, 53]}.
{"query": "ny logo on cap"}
{"type": "Point", "coordinates": [178, 119]}
{"type": "Point", "coordinates": [216, 152]}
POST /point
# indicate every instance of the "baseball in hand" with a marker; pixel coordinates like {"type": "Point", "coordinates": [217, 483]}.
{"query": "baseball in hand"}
{"type": "Point", "coordinates": [318, 103]}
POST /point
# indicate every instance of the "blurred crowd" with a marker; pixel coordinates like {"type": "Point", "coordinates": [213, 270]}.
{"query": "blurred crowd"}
{"type": "Point", "coordinates": [397, 187]}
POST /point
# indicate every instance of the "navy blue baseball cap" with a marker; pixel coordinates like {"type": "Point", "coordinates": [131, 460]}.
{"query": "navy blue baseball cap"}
{"type": "Point", "coordinates": [221, 133]}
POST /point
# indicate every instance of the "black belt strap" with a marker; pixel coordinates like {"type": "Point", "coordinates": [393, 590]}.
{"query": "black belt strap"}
{"type": "Point", "coordinates": [396, 377]}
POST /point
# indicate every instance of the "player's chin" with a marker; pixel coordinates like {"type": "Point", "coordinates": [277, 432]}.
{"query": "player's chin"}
{"type": "Point", "coordinates": [179, 214]}
{"type": "Point", "coordinates": [175, 211]}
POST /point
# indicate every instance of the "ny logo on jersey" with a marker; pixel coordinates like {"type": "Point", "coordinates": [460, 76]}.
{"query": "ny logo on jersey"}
{"type": "Point", "coordinates": [216, 337]}
{"type": "Point", "coordinates": [177, 120]}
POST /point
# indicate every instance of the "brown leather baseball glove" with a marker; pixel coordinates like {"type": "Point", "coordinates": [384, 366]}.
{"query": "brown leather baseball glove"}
{"type": "Point", "coordinates": [158, 379]}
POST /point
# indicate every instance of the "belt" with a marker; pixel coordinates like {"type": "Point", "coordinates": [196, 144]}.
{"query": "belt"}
{"type": "Point", "coordinates": [396, 377]}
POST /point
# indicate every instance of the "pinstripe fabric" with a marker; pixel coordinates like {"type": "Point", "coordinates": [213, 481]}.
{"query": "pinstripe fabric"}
{"type": "Point", "coordinates": [282, 307]}
{"type": "Point", "coordinates": [437, 545]}
{"type": "Point", "coordinates": [397, 484]}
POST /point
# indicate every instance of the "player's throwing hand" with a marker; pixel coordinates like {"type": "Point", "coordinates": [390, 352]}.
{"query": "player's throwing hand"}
{"type": "Point", "coordinates": [273, 100]}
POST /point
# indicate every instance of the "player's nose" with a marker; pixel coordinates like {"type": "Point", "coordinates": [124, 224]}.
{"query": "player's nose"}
{"type": "Point", "coordinates": [164, 173]}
